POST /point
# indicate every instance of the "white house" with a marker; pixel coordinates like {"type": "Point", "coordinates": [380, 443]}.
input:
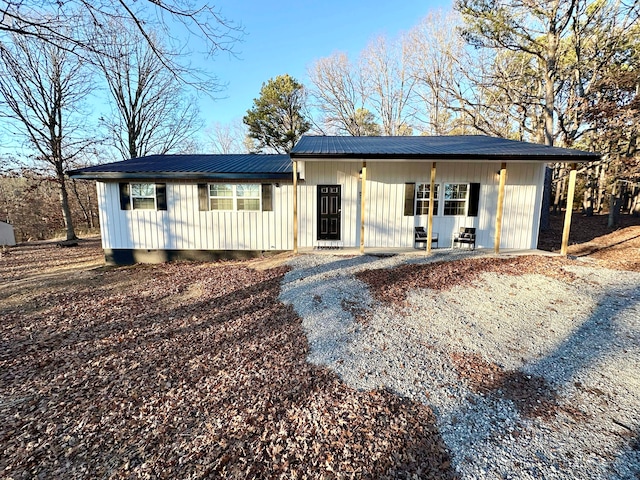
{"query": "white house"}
{"type": "Point", "coordinates": [349, 192]}
{"type": "Point", "coordinates": [7, 235]}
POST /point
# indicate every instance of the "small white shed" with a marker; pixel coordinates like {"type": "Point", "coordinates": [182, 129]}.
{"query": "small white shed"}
{"type": "Point", "coordinates": [7, 235]}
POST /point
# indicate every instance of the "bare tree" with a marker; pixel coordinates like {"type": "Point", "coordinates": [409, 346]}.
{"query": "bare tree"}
{"type": "Point", "coordinates": [528, 28]}
{"type": "Point", "coordinates": [43, 87]}
{"type": "Point", "coordinates": [229, 137]}
{"type": "Point", "coordinates": [340, 95]}
{"type": "Point", "coordinates": [505, 98]}
{"type": "Point", "coordinates": [151, 111]}
{"type": "Point", "coordinates": [434, 50]}
{"type": "Point", "coordinates": [50, 21]}
{"type": "Point", "coordinates": [385, 69]}
{"type": "Point", "coordinates": [603, 44]}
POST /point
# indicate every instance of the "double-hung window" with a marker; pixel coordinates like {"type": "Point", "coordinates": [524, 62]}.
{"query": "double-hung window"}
{"type": "Point", "coordinates": [242, 197]}
{"type": "Point", "coordinates": [220, 196]}
{"type": "Point", "coordinates": [422, 199]}
{"type": "Point", "coordinates": [143, 196]}
{"type": "Point", "coordinates": [455, 198]}
{"type": "Point", "coordinates": [248, 197]}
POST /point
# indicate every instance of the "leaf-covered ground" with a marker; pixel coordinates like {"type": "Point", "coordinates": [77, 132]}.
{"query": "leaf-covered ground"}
{"type": "Point", "coordinates": [392, 285]}
{"type": "Point", "coordinates": [191, 370]}
{"type": "Point", "coordinates": [183, 370]}
{"type": "Point", "coordinates": [617, 247]}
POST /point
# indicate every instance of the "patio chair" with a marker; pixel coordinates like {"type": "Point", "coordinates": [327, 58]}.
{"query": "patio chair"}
{"type": "Point", "coordinates": [466, 236]}
{"type": "Point", "coordinates": [421, 237]}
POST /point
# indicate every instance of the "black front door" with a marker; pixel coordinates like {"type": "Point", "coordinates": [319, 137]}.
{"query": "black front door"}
{"type": "Point", "coordinates": [329, 212]}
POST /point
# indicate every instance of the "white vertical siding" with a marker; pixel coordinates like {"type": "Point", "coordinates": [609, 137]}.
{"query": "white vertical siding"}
{"type": "Point", "coordinates": [385, 223]}
{"type": "Point", "coordinates": [345, 174]}
{"type": "Point", "coordinates": [183, 227]}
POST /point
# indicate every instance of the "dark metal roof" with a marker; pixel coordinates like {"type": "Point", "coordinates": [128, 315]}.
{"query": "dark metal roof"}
{"type": "Point", "coordinates": [458, 147]}
{"type": "Point", "coordinates": [229, 166]}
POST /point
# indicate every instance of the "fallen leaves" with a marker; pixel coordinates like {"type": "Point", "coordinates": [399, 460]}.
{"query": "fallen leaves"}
{"type": "Point", "coordinates": [186, 370]}
{"type": "Point", "coordinates": [392, 285]}
{"type": "Point", "coordinates": [531, 394]}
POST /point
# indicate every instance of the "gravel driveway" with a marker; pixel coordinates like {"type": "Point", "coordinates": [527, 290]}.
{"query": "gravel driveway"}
{"type": "Point", "coordinates": [578, 341]}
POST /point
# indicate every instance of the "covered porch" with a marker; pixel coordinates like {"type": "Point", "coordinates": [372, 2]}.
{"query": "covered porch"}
{"type": "Point", "coordinates": [387, 186]}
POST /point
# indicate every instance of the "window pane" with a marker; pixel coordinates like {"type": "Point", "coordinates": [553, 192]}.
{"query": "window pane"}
{"type": "Point", "coordinates": [143, 190]}
{"type": "Point", "coordinates": [422, 207]}
{"type": "Point", "coordinates": [222, 204]}
{"type": "Point", "coordinates": [250, 190]}
{"type": "Point", "coordinates": [454, 207]}
{"type": "Point", "coordinates": [248, 204]}
{"type": "Point", "coordinates": [455, 191]}
{"type": "Point", "coordinates": [144, 203]}
{"type": "Point", "coordinates": [424, 188]}
{"type": "Point", "coordinates": [220, 190]}
{"type": "Point", "coordinates": [449, 191]}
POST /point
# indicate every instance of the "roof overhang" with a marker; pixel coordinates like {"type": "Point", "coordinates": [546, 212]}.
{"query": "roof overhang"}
{"type": "Point", "coordinates": [76, 174]}
{"type": "Point", "coordinates": [347, 157]}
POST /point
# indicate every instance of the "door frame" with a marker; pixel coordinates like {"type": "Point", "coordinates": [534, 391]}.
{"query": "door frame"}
{"type": "Point", "coordinates": [319, 215]}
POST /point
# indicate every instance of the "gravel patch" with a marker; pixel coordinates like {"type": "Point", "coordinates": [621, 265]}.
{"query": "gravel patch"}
{"type": "Point", "coordinates": [579, 340]}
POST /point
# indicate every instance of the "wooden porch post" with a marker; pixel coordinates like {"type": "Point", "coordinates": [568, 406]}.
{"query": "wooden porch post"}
{"type": "Point", "coordinates": [362, 205]}
{"type": "Point", "coordinates": [503, 181]}
{"type": "Point", "coordinates": [567, 215]}
{"type": "Point", "coordinates": [295, 207]}
{"type": "Point", "coordinates": [431, 200]}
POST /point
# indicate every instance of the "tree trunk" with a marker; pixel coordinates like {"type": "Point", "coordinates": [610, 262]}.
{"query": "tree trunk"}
{"type": "Point", "coordinates": [560, 186]}
{"type": "Point", "coordinates": [548, 113]}
{"type": "Point", "coordinates": [601, 188]}
{"type": "Point", "coordinates": [64, 203]}
{"type": "Point", "coordinates": [615, 202]}
{"type": "Point", "coordinates": [92, 222]}
{"type": "Point", "coordinates": [549, 89]}
{"type": "Point", "coordinates": [587, 199]}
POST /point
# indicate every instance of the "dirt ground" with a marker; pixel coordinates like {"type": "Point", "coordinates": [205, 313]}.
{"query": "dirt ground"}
{"type": "Point", "coordinates": [195, 370]}
{"type": "Point", "coordinates": [590, 238]}
{"type": "Point", "coordinates": [182, 370]}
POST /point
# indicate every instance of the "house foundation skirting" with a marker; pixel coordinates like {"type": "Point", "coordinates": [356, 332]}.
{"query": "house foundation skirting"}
{"type": "Point", "coordinates": [129, 256]}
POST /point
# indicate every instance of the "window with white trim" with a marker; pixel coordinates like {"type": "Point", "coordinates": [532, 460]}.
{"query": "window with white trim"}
{"type": "Point", "coordinates": [143, 196]}
{"type": "Point", "coordinates": [422, 199]}
{"type": "Point", "coordinates": [241, 197]}
{"type": "Point", "coordinates": [248, 196]}
{"type": "Point", "coordinates": [455, 198]}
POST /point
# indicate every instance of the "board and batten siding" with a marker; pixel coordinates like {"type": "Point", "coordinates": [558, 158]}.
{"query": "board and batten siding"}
{"type": "Point", "coordinates": [183, 227]}
{"type": "Point", "coordinates": [386, 226]}
{"type": "Point", "coordinates": [345, 174]}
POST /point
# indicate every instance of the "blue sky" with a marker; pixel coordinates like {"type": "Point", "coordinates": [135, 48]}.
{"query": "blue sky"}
{"type": "Point", "coordinates": [287, 36]}
{"type": "Point", "coordinates": [281, 36]}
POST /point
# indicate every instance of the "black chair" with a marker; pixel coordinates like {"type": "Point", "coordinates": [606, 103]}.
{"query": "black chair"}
{"type": "Point", "coordinates": [466, 236]}
{"type": "Point", "coordinates": [421, 237]}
